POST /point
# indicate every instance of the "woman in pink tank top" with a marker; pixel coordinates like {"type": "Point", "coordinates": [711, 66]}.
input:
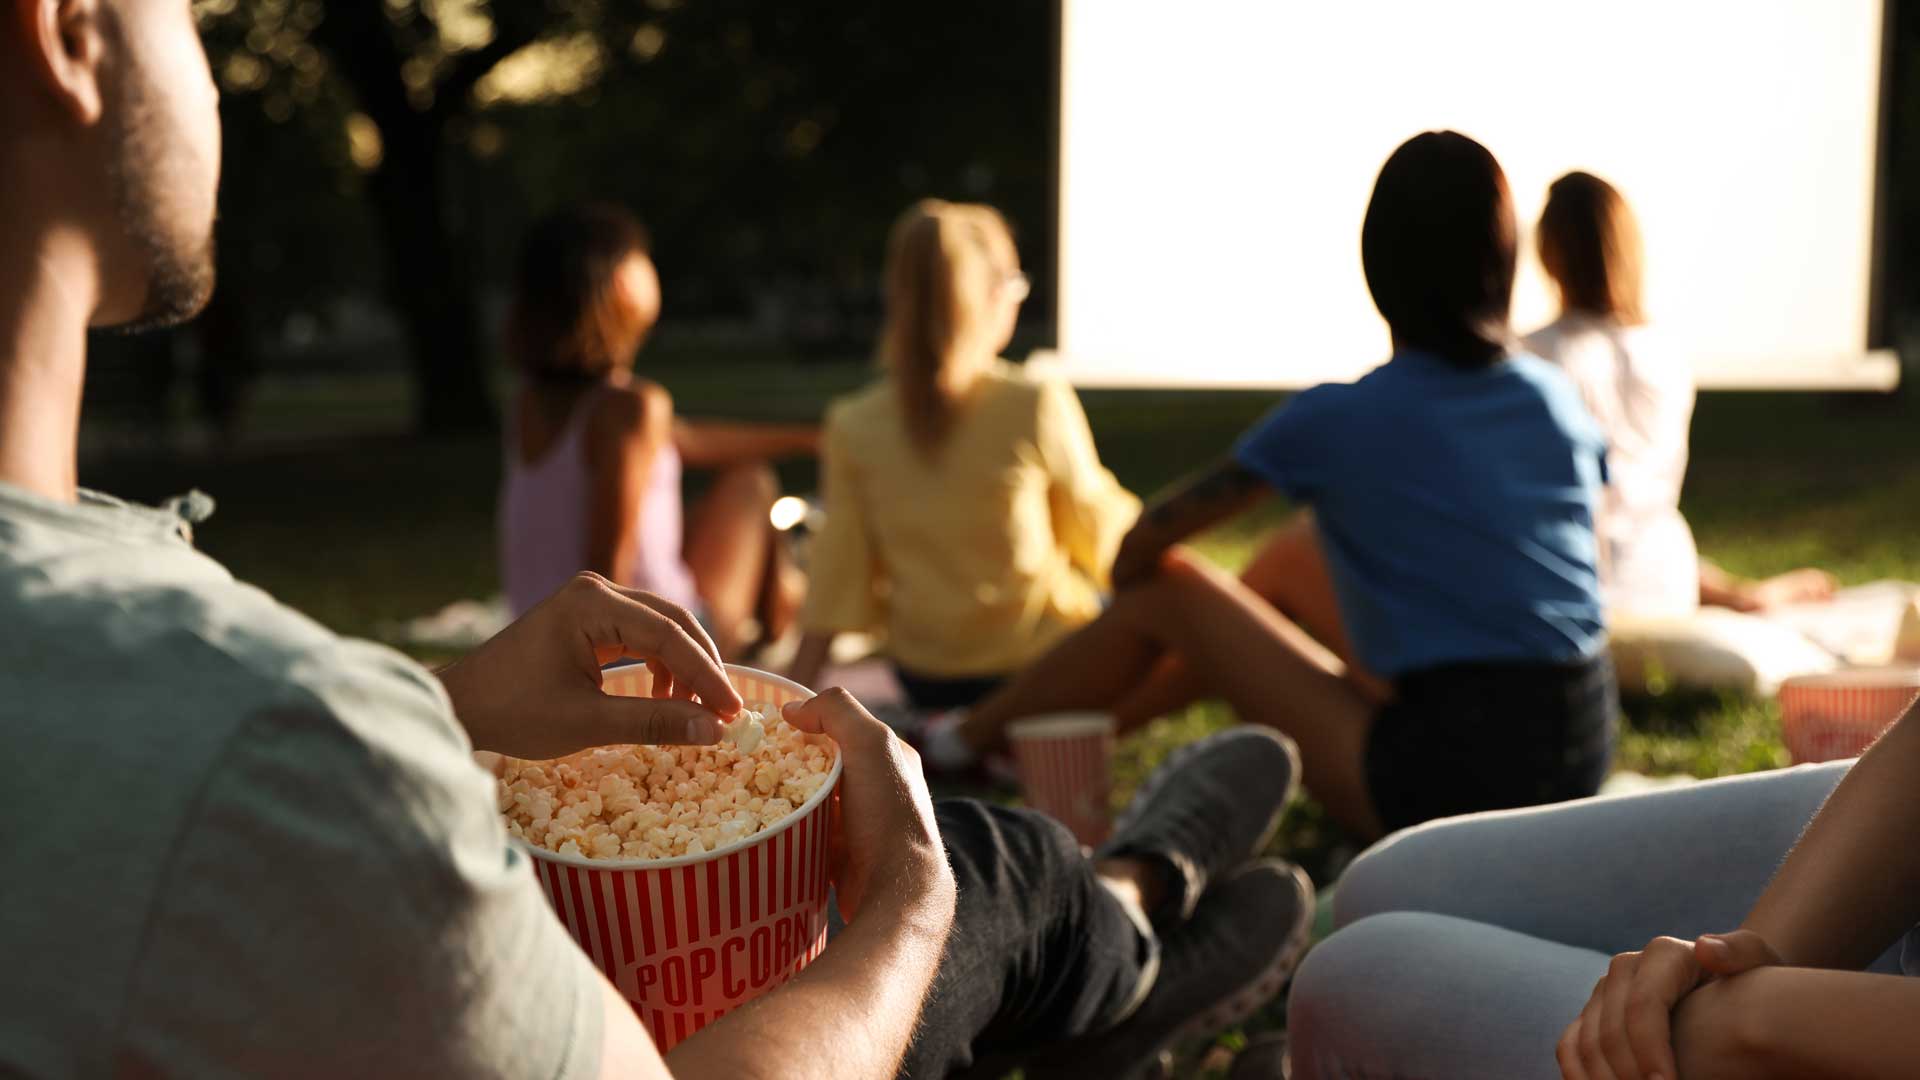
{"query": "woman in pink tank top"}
{"type": "Point", "coordinates": [593, 452]}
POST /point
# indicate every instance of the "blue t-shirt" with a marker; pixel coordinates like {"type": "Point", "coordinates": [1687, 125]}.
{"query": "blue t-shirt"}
{"type": "Point", "coordinates": [1456, 508]}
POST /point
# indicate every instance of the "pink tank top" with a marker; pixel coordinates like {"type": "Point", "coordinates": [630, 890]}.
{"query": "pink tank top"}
{"type": "Point", "coordinates": [544, 513]}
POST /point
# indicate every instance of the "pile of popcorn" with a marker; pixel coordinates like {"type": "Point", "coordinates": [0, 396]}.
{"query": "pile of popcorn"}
{"type": "Point", "coordinates": [659, 802]}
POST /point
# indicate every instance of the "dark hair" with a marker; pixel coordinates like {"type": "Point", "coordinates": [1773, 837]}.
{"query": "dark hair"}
{"type": "Point", "coordinates": [1590, 247]}
{"type": "Point", "coordinates": [567, 319]}
{"type": "Point", "coordinates": [1438, 248]}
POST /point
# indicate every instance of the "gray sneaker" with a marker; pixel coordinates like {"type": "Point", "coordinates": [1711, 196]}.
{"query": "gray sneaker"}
{"type": "Point", "coordinates": [1213, 805]}
{"type": "Point", "coordinates": [1236, 953]}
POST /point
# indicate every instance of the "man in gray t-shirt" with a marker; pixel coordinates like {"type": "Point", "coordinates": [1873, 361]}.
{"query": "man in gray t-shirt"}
{"type": "Point", "coordinates": [236, 844]}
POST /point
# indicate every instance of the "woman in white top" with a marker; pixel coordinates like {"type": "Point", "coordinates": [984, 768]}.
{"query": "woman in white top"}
{"type": "Point", "coordinates": [1642, 395]}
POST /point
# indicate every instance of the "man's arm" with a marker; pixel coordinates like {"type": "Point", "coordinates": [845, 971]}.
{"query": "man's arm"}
{"type": "Point", "coordinates": [533, 691]}
{"type": "Point", "coordinates": [852, 1012]}
{"type": "Point", "coordinates": [1197, 503]}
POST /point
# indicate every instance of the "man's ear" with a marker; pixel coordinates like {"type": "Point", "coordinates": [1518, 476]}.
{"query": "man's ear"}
{"type": "Point", "coordinates": [63, 45]}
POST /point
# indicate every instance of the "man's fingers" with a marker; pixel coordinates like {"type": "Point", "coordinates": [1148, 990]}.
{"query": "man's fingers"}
{"type": "Point", "coordinates": [680, 615]}
{"type": "Point", "coordinates": [650, 635]}
{"type": "Point", "coordinates": [1730, 954]}
{"type": "Point", "coordinates": [662, 679]}
{"type": "Point", "coordinates": [653, 721]}
{"type": "Point", "coordinates": [837, 715]}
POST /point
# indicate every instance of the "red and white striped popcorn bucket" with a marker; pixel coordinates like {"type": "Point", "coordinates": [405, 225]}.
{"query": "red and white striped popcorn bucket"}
{"type": "Point", "coordinates": [1066, 770]}
{"type": "Point", "coordinates": [687, 939]}
{"type": "Point", "coordinates": [1838, 714]}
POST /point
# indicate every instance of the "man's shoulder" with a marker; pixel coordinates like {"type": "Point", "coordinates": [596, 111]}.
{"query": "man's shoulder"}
{"type": "Point", "coordinates": [161, 651]}
{"type": "Point", "coordinates": [166, 622]}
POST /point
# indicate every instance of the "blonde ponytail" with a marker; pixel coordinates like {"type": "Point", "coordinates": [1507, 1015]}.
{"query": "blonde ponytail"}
{"type": "Point", "coordinates": [944, 262]}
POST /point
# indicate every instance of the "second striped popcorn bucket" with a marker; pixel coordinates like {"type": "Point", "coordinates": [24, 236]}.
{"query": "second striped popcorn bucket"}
{"type": "Point", "coordinates": [1066, 770]}
{"type": "Point", "coordinates": [1838, 714]}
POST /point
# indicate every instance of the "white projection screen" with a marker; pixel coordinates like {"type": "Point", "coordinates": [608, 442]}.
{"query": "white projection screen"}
{"type": "Point", "coordinates": [1216, 157]}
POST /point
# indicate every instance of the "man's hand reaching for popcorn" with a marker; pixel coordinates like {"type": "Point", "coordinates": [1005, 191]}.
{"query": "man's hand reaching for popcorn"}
{"type": "Point", "coordinates": [533, 690]}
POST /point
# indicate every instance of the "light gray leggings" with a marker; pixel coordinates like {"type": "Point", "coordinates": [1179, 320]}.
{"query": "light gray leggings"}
{"type": "Point", "coordinates": [1466, 946]}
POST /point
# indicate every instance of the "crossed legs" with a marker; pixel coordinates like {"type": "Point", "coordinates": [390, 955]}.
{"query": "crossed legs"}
{"type": "Point", "coordinates": [1464, 947]}
{"type": "Point", "coordinates": [1289, 572]}
{"type": "Point", "coordinates": [1195, 627]}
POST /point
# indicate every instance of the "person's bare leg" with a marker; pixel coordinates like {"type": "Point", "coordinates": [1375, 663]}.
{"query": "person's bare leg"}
{"type": "Point", "coordinates": [1170, 687]}
{"type": "Point", "coordinates": [783, 589]}
{"type": "Point", "coordinates": [1289, 572]}
{"type": "Point", "coordinates": [1086, 670]}
{"type": "Point", "coordinates": [1269, 669]}
{"type": "Point", "coordinates": [1091, 668]}
{"type": "Point", "coordinates": [728, 549]}
{"type": "Point", "coordinates": [1271, 672]}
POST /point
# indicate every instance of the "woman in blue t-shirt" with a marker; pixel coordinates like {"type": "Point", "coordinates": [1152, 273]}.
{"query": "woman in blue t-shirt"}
{"type": "Point", "coordinates": [1453, 491]}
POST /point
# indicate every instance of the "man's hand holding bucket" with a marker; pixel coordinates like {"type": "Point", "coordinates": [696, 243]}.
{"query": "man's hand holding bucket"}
{"type": "Point", "coordinates": [888, 845]}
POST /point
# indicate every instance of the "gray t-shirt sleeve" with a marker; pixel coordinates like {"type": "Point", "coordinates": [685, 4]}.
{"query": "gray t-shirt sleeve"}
{"type": "Point", "coordinates": [344, 902]}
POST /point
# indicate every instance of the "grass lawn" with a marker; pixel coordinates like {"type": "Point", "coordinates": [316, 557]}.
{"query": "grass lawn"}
{"type": "Point", "coordinates": [362, 531]}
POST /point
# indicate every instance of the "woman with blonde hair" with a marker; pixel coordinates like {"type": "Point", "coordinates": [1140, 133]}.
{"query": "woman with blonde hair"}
{"type": "Point", "coordinates": [1643, 396]}
{"type": "Point", "coordinates": [969, 519]}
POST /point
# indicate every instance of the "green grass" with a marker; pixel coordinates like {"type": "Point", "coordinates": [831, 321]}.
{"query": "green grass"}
{"type": "Point", "coordinates": [362, 531]}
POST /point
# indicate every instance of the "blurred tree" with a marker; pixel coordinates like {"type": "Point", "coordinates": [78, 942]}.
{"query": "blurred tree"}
{"type": "Point", "coordinates": [413, 68]}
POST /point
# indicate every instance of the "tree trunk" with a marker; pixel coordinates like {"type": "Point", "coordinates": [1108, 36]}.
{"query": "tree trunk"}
{"type": "Point", "coordinates": [430, 281]}
{"type": "Point", "coordinates": [431, 284]}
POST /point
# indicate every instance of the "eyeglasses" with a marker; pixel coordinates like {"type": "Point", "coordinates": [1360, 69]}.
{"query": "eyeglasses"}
{"type": "Point", "coordinates": [1016, 287]}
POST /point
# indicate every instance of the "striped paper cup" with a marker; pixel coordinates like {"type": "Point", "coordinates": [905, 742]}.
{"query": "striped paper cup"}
{"type": "Point", "coordinates": [1065, 762]}
{"type": "Point", "coordinates": [1838, 714]}
{"type": "Point", "coordinates": [687, 939]}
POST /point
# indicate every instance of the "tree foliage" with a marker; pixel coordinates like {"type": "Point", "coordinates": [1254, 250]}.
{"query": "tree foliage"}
{"type": "Point", "coordinates": [401, 145]}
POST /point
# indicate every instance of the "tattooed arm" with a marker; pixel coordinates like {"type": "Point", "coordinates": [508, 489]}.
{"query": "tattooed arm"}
{"type": "Point", "coordinates": [1199, 502]}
